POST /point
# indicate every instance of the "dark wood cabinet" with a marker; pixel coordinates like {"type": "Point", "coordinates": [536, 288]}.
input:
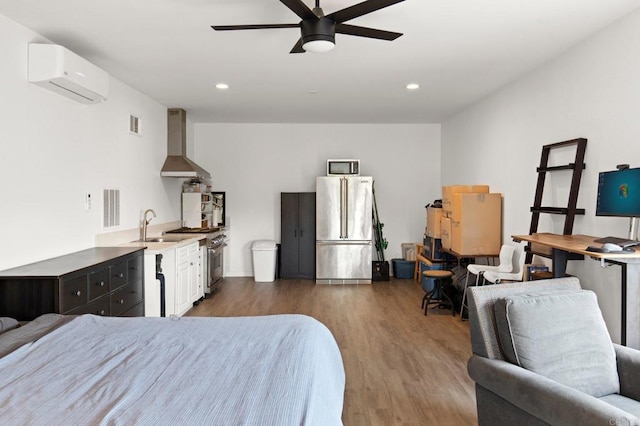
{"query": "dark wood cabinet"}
{"type": "Point", "coordinates": [106, 281]}
{"type": "Point", "coordinates": [298, 235]}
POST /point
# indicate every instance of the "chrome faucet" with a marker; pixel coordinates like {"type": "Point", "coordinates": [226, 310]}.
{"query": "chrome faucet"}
{"type": "Point", "coordinates": [145, 222]}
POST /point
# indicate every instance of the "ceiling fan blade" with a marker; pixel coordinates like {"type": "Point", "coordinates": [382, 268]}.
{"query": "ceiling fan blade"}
{"type": "Point", "coordinates": [360, 9]}
{"type": "Point", "coordinates": [298, 47]}
{"type": "Point", "coordinates": [252, 27]}
{"type": "Point", "coordinates": [299, 8]}
{"type": "Point", "coordinates": [355, 30]}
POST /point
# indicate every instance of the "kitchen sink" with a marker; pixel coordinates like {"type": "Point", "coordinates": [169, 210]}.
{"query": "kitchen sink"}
{"type": "Point", "coordinates": [162, 240]}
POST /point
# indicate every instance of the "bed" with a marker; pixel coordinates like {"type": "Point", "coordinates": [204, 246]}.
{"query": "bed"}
{"type": "Point", "coordinates": [269, 370]}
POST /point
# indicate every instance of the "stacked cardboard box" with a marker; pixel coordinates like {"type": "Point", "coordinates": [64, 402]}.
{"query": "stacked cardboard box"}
{"type": "Point", "coordinates": [472, 220]}
{"type": "Point", "coordinates": [433, 222]}
{"type": "Point", "coordinates": [445, 231]}
{"type": "Point", "coordinates": [448, 193]}
{"type": "Point", "coordinates": [432, 243]}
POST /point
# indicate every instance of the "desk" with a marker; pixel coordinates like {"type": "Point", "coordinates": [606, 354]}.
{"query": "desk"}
{"type": "Point", "coordinates": [564, 246]}
{"type": "Point", "coordinates": [469, 255]}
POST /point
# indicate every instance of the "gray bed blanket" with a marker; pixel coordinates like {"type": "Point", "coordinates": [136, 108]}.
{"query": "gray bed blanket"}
{"type": "Point", "coordinates": [271, 370]}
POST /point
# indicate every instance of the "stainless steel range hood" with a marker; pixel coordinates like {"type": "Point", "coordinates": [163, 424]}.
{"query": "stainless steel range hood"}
{"type": "Point", "coordinates": [177, 164]}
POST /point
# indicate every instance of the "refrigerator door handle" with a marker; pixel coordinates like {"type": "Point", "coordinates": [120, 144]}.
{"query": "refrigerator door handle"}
{"type": "Point", "coordinates": [346, 208]}
{"type": "Point", "coordinates": [342, 208]}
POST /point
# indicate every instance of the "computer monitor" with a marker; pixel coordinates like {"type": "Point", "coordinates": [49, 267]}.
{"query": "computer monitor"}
{"type": "Point", "coordinates": [619, 193]}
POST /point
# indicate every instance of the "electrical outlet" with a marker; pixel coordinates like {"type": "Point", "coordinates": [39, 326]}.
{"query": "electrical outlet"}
{"type": "Point", "coordinates": [87, 201]}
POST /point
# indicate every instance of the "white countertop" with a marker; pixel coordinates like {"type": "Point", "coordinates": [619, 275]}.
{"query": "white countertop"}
{"type": "Point", "coordinates": [129, 238]}
{"type": "Point", "coordinates": [158, 247]}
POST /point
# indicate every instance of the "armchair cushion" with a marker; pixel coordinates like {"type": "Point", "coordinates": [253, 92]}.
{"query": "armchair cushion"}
{"type": "Point", "coordinates": [537, 396]}
{"type": "Point", "coordinates": [627, 405]}
{"type": "Point", "coordinates": [561, 336]}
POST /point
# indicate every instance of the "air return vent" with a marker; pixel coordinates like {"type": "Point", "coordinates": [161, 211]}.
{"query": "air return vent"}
{"type": "Point", "coordinates": [135, 125]}
{"type": "Point", "coordinates": [111, 212]}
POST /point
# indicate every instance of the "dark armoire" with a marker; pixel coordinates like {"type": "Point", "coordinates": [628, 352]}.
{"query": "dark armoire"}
{"type": "Point", "coordinates": [298, 235]}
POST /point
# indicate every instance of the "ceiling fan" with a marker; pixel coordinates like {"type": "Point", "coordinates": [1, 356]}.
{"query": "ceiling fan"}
{"type": "Point", "coordinates": [318, 31]}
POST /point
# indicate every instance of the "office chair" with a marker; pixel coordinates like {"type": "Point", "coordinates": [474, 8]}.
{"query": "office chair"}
{"type": "Point", "coordinates": [506, 265]}
{"type": "Point", "coordinates": [515, 274]}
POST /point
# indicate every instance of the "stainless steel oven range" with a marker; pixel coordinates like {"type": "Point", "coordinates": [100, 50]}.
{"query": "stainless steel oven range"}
{"type": "Point", "coordinates": [215, 250]}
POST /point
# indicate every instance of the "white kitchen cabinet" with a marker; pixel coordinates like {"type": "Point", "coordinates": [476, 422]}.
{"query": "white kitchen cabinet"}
{"type": "Point", "coordinates": [187, 278]}
{"type": "Point", "coordinates": [181, 269]}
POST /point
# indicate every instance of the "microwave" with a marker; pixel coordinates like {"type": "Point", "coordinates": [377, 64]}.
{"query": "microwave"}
{"type": "Point", "coordinates": [343, 167]}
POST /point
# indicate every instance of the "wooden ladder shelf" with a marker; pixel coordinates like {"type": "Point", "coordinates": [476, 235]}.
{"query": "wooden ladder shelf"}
{"type": "Point", "coordinates": [570, 211]}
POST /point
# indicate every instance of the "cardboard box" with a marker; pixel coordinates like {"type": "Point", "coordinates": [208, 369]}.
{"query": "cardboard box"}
{"type": "Point", "coordinates": [433, 222]}
{"type": "Point", "coordinates": [476, 223]}
{"type": "Point", "coordinates": [445, 232]}
{"type": "Point", "coordinates": [449, 191]}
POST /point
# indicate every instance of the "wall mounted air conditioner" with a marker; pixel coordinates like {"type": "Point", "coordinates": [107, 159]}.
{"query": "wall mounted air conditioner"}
{"type": "Point", "coordinates": [62, 71]}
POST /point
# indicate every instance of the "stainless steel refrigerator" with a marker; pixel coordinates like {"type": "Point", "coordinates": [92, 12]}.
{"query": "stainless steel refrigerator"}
{"type": "Point", "coordinates": [344, 229]}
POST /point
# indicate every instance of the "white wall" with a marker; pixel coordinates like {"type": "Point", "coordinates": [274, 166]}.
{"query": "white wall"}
{"type": "Point", "coordinates": [53, 150]}
{"type": "Point", "coordinates": [592, 91]}
{"type": "Point", "coordinates": [254, 163]}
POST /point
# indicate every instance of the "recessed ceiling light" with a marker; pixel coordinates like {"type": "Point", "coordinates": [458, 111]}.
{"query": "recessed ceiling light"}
{"type": "Point", "coordinates": [222, 86]}
{"type": "Point", "coordinates": [413, 86]}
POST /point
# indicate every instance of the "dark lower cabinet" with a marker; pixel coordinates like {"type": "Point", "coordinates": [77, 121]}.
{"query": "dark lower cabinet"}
{"type": "Point", "coordinates": [107, 281]}
{"type": "Point", "coordinates": [298, 235]}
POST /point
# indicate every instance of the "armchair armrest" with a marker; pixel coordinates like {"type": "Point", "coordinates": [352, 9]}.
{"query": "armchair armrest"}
{"type": "Point", "coordinates": [543, 398]}
{"type": "Point", "coordinates": [628, 361]}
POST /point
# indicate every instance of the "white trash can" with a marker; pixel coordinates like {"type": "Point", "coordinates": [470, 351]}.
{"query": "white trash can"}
{"type": "Point", "coordinates": [264, 260]}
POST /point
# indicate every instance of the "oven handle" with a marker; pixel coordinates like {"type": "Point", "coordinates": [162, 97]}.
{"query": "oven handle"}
{"type": "Point", "coordinates": [219, 246]}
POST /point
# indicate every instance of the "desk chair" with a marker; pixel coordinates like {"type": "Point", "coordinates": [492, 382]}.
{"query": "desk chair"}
{"type": "Point", "coordinates": [437, 294]}
{"type": "Point", "coordinates": [506, 265]}
{"type": "Point", "coordinates": [515, 274]}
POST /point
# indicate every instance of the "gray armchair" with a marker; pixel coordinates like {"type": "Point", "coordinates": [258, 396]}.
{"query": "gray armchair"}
{"type": "Point", "coordinates": [542, 356]}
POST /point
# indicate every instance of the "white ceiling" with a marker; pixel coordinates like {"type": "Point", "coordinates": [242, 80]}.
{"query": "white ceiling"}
{"type": "Point", "coordinates": [457, 50]}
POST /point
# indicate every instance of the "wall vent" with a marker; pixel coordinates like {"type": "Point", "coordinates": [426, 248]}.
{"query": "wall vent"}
{"type": "Point", "coordinates": [111, 212]}
{"type": "Point", "coordinates": [135, 125]}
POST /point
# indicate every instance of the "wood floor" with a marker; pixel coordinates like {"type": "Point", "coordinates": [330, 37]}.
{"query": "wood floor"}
{"type": "Point", "coordinates": [402, 368]}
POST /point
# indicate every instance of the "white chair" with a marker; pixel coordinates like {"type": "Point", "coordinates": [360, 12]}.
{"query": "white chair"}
{"type": "Point", "coordinates": [515, 274]}
{"type": "Point", "coordinates": [505, 266]}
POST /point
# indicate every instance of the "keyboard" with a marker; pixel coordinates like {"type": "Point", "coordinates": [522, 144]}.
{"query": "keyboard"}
{"type": "Point", "coordinates": [622, 242]}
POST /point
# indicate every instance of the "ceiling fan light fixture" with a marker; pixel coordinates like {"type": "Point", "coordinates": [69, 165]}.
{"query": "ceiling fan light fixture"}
{"type": "Point", "coordinates": [318, 32]}
{"type": "Point", "coordinates": [318, 46]}
{"type": "Point", "coordinates": [318, 35]}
